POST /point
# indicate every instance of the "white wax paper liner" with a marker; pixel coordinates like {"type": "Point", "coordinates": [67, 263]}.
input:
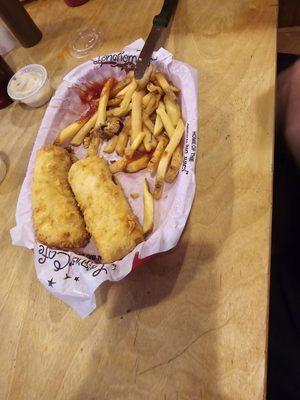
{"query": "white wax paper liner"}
{"type": "Point", "coordinates": [74, 277]}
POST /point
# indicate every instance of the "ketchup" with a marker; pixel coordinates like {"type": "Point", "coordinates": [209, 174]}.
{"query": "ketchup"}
{"type": "Point", "coordinates": [89, 95]}
{"type": "Point", "coordinates": [90, 92]}
{"type": "Point", "coordinates": [89, 112]}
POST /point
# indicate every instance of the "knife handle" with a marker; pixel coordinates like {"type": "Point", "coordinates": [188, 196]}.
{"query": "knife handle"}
{"type": "Point", "coordinates": [163, 18]}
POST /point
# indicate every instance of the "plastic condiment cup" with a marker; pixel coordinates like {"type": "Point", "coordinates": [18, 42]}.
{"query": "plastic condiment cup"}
{"type": "Point", "coordinates": [41, 90]}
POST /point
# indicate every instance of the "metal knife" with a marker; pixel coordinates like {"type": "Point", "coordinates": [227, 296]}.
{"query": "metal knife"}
{"type": "Point", "coordinates": [160, 23]}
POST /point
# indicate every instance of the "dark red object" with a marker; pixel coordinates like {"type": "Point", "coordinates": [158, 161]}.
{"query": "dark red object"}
{"type": "Point", "coordinates": [75, 3]}
{"type": "Point", "coordinates": [5, 74]}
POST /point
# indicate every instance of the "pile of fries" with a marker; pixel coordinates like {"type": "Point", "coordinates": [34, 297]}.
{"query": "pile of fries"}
{"type": "Point", "coordinates": [141, 121]}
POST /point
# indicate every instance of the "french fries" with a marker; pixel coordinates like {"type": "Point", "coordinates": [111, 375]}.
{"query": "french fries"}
{"type": "Point", "coordinates": [146, 99]}
{"type": "Point", "coordinates": [175, 89]}
{"type": "Point", "coordinates": [147, 140]}
{"type": "Point", "coordinates": [165, 119]}
{"type": "Point", "coordinates": [119, 86]}
{"type": "Point", "coordinates": [118, 166]}
{"type": "Point", "coordinates": [141, 148]}
{"type": "Point", "coordinates": [158, 126]}
{"type": "Point", "coordinates": [123, 138]}
{"type": "Point", "coordinates": [175, 164]}
{"type": "Point", "coordinates": [119, 111]}
{"type": "Point", "coordinates": [153, 163]}
{"type": "Point", "coordinates": [123, 91]}
{"type": "Point", "coordinates": [111, 145]}
{"type": "Point", "coordinates": [101, 113]}
{"type": "Point", "coordinates": [164, 84]}
{"type": "Point", "coordinates": [154, 88]}
{"type": "Point", "coordinates": [94, 144]}
{"type": "Point", "coordinates": [135, 144]}
{"type": "Point", "coordinates": [151, 105]}
{"type": "Point", "coordinates": [111, 111]}
{"type": "Point", "coordinates": [136, 114]}
{"type": "Point", "coordinates": [70, 131]}
{"type": "Point", "coordinates": [115, 101]}
{"type": "Point", "coordinates": [147, 121]}
{"type": "Point", "coordinates": [81, 134]}
{"type": "Point", "coordinates": [142, 83]}
{"type": "Point", "coordinates": [148, 220]}
{"type": "Point", "coordinates": [165, 159]}
{"type": "Point", "coordinates": [138, 164]}
{"type": "Point", "coordinates": [122, 143]}
{"type": "Point", "coordinates": [172, 109]}
{"type": "Point", "coordinates": [149, 117]}
{"type": "Point", "coordinates": [153, 143]}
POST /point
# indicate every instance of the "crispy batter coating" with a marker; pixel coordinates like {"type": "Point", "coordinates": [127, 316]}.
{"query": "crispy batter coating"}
{"type": "Point", "coordinates": [57, 219]}
{"type": "Point", "coordinates": [108, 216]}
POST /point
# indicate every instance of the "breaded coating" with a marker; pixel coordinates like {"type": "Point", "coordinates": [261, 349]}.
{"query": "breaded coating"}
{"type": "Point", "coordinates": [57, 219]}
{"type": "Point", "coordinates": [108, 216]}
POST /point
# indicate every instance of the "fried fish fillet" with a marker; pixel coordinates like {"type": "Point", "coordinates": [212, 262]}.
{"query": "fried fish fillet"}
{"type": "Point", "coordinates": [108, 216]}
{"type": "Point", "coordinates": [57, 219]}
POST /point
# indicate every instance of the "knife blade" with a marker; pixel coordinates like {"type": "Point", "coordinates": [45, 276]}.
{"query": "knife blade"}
{"type": "Point", "coordinates": [160, 23]}
{"type": "Point", "coordinates": [146, 53]}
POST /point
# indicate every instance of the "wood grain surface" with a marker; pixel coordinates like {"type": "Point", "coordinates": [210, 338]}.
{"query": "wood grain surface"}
{"type": "Point", "coordinates": [191, 324]}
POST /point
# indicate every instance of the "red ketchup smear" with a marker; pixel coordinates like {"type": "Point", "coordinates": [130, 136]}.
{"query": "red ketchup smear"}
{"type": "Point", "coordinates": [89, 95]}
{"type": "Point", "coordinates": [90, 92]}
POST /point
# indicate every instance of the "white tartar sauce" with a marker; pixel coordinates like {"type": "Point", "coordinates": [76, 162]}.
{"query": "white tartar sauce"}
{"type": "Point", "coordinates": [25, 82]}
{"type": "Point", "coordinates": [30, 85]}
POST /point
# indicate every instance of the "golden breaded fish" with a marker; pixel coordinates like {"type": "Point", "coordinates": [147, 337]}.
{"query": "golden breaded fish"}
{"type": "Point", "coordinates": [108, 216]}
{"type": "Point", "coordinates": [57, 219]}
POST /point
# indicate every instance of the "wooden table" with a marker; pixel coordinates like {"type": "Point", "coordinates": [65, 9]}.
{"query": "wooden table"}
{"type": "Point", "coordinates": [191, 324]}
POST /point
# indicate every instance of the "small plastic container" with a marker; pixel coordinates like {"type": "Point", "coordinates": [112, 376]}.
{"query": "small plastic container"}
{"type": "Point", "coordinates": [30, 85]}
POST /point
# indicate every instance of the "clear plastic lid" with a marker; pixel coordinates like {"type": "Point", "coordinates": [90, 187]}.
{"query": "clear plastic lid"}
{"type": "Point", "coordinates": [83, 42]}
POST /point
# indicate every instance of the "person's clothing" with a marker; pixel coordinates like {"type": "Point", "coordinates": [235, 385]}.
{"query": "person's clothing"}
{"type": "Point", "coordinates": [284, 317]}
